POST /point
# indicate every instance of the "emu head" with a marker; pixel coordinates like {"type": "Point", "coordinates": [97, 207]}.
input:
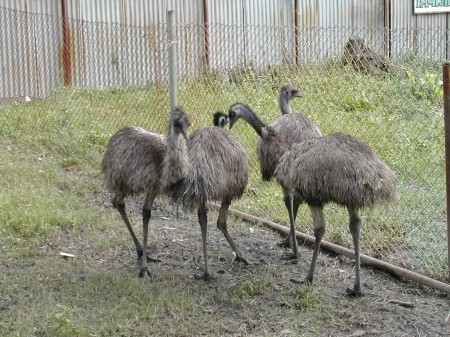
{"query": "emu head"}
{"type": "Point", "coordinates": [289, 92]}
{"type": "Point", "coordinates": [179, 122]}
{"type": "Point", "coordinates": [236, 111]}
{"type": "Point", "coordinates": [220, 119]}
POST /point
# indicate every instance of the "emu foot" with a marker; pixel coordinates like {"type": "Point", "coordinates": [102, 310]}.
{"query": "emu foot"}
{"type": "Point", "coordinates": [305, 281]}
{"type": "Point", "coordinates": [149, 257]}
{"type": "Point", "coordinates": [207, 277]}
{"type": "Point", "coordinates": [285, 243]}
{"type": "Point", "coordinates": [145, 273]}
{"type": "Point", "coordinates": [241, 259]}
{"type": "Point", "coordinates": [152, 259]}
{"type": "Point", "coordinates": [355, 292]}
{"type": "Point", "coordinates": [291, 258]}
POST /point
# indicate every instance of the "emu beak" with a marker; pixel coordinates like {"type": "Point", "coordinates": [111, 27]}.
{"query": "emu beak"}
{"type": "Point", "coordinates": [183, 133]}
{"type": "Point", "coordinates": [297, 94]}
{"type": "Point", "coordinates": [231, 122]}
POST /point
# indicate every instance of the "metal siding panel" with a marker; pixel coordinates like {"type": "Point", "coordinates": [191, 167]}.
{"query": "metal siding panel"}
{"type": "Point", "coordinates": [46, 33]}
{"type": "Point", "coordinates": [431, 36]}
{"type": "Point", "coordinates": [267, 39]}
{"type": "Point", "coordinates": [411, 34]}
{"type": "Point", "coordinates": [16, 56]}
{"type": "Point", "coordinates": [226, 34]}
{"type": "Point", "coordinates": [325, 27]}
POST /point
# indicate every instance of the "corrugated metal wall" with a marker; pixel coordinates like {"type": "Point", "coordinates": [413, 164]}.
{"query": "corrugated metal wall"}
{"type": "Point", "coordinates": [418, 34]}
{"type": "Point", "coordinates": [325, 26]}
{"type": "Point", "coordinates": [29, 47]}
{"type": "Point", "coordinates": [123, 42]}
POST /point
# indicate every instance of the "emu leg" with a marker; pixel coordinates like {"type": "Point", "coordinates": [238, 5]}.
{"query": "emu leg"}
{"type": "Point", "coordinates": [203, 221]}
{"type": "Point", "coordinates": [319, 231]}
{"type": "Point", "coordinates": [146, 215]}
{"type": "Point", "coordinates": [222, 226]}
{"type": "Point", "coordinates": [294, 209]}
{"type": "Point", "coordinates": [355, 229]}
{"type": "Point", "coordinates": [120, 206]}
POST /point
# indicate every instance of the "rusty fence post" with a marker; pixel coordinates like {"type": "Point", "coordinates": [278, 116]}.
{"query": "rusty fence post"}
{"type": "Point", "coordinates": [446, 85]}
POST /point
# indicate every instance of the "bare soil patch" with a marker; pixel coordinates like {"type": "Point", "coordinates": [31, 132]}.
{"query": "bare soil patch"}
{"type": "Point", "coordinates": [390, 307]}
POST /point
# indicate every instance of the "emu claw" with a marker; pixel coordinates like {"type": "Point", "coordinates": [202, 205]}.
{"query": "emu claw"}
{"type": "Point", "coordinates": [285, 243]}
{"type": "Point", "coordinates": [242, 259]}
{"type": "Point", "coordinates": [145, 273]}
{"type": "Point", "coordinates": [355, 292]}
{"type": "Point", "coordinates": [291, 257]}
{"type": "Point", "coordinates": [205, 277]}
{"type": "Point", "coordinates": [300, 282]}
{"type": "Point", "coordinates": [152, 259]}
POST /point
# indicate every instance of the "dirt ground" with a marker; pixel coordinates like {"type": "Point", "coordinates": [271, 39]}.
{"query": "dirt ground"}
{"type": "Point", "coordinates": [389, 307]}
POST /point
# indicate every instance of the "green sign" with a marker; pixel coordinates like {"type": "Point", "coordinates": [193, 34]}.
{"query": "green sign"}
{"type": "Point", "coordinates": [431, 6]}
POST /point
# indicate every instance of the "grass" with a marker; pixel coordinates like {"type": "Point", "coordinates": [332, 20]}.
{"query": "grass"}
{"type": "Point", "coordinates": [50, 153]}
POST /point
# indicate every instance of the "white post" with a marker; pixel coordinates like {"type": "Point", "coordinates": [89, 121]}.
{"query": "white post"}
{"type": "Point", "coordinates": [171, 32]}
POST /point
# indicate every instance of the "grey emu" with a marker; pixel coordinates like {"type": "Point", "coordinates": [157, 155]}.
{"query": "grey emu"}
{"type": "Point", "coordinates": [139, 161]}
{"type": "Point", "coordinates": [218, 171]}
{"type": "Point", "coordinates": [291, 128]}
{"type": "Point", "coordinates": [336, 168]}
{"type": "Point", "coordinates": [220, 119]}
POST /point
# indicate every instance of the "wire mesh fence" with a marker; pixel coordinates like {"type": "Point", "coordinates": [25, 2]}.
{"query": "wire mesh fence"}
{"type": "Point", "coordinates": [381, 90]}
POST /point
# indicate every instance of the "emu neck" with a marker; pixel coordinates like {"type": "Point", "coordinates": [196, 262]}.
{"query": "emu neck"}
{"type": "Point", "coordinates": [176, 160]}
{"type": "Point", "coordinates": [254, 121]}
{"type": "Point", "coordinates": [285, 105]}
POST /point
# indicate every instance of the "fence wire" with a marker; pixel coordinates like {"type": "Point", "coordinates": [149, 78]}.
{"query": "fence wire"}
{"type": "Point", "coordinates": [378, 86]}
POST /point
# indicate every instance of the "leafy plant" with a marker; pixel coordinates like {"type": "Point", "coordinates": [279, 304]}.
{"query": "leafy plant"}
{"type": "Point", "coordinates": [427, 87]}
{"type": "Point", "coordinates": [62, 325]}
{"type": "Point", "coordinates": [358, 103]}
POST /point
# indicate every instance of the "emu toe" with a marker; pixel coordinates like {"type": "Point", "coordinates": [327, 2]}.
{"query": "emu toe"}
{"type": "Point", "coordinates": [204, 277]}
{"type": "Point", "coordinates": [291, 258]}
{"type": "Point", "coordinates": [355, 292]}
{"type": "Point", "coordinates": [152, 259]}
{"type": "Point", "coordinates": [292, 280]}
{"type": "Point", "coordinates": [242, 259]}
{"type": "Point", "coordinates": [285, 243]}
{"type": "Point", "coordinates": [145, 273]}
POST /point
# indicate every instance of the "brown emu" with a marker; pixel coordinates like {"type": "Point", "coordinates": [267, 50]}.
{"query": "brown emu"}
{"type": "Point", "coordinates": [140, 161]}
{"type": "Point", "coordinates": [291, 128]}
{"type": "Point", "coordinates": [336, 168]}
{"type": "Point", "coordinates": [218, 171]}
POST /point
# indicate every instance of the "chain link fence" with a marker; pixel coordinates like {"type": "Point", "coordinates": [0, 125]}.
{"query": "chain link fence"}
{"type": "Point", "coordinates": [382, 90]}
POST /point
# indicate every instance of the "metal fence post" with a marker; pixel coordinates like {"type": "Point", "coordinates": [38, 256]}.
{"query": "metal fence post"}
{"type": "Point", "coordinates": [171, 26]}
{"type": "Point", "coordinates": [446, 85]}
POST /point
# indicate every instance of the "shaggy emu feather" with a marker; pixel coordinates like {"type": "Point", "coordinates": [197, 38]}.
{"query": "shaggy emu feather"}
{"type": "Point", "coordinates": [336, 168]}
{"type": "Point", "coordinates": [218, 171]}
{"type": "Point", "coordinates": [139, 161]}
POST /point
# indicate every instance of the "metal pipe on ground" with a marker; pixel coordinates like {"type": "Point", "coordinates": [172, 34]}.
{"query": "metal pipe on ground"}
{"type": "Point", "coordinates": [370, 261]}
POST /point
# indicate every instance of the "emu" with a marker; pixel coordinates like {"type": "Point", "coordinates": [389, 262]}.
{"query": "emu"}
{"type": "Point", "coordinates": [218, 171]}
{"type": "Point", "coordinates": [139, 161]}
{"type": "Point", "coordinates": [292, 128]}
{"type": "Point", "coordinates": [337, 168]}
{"type": "Point", "coordinates": [220, 119]}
